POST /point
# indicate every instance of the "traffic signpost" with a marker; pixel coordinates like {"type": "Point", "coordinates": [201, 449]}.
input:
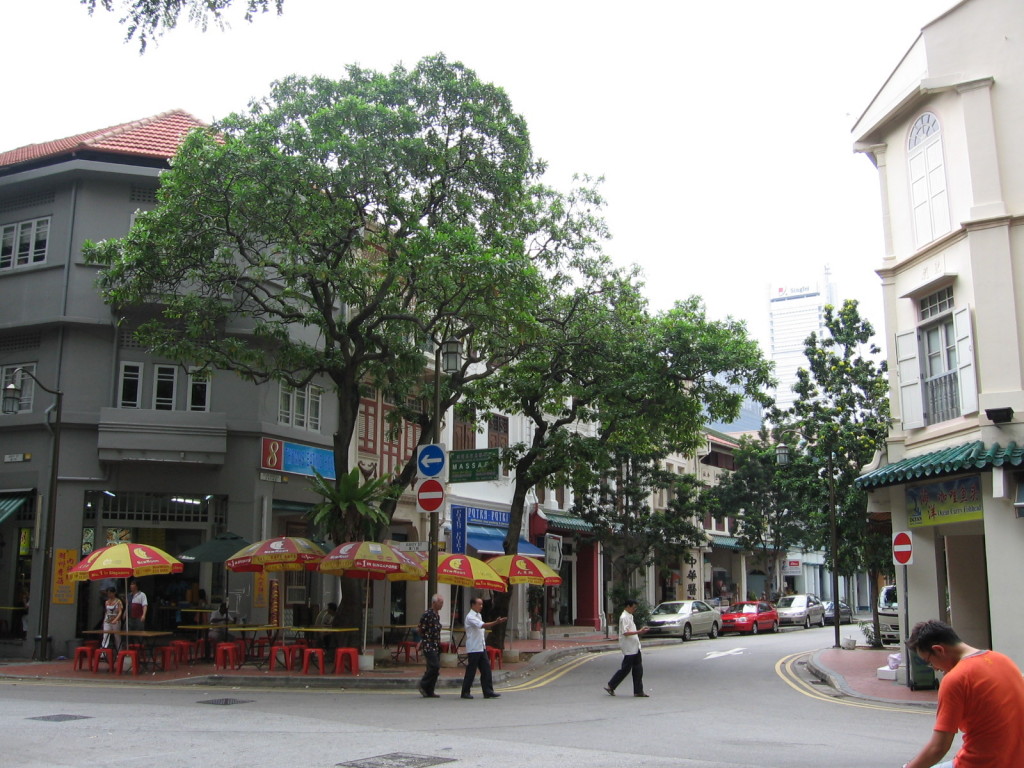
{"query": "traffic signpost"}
{"type": "Point", "coordinates": [473, 466]}
{"type": "Point", "coordinates": [902, 548]}
{"type": "Point", "coordinates": [430, 460]}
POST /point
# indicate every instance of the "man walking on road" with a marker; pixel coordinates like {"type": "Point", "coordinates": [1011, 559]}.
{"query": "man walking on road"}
{"type": "Point", "coordinates": [476, 650]}
{"type": "Point", "coordinates": [629, 644]}
{"type": "Point", "coordinates": [430, 645]}
{"type": "Point", "coordinates": [982, 694]}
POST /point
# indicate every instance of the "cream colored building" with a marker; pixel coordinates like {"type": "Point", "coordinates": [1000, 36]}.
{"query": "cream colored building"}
{"type": "Point", "coordinates": [943, 131]}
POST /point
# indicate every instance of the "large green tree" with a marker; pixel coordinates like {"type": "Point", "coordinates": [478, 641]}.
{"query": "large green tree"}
{"type": "Point", "coordinates": [340, 230]}
{"type": "Point", "coordinates": [839, 419]}
{"type": "Point", "coordinates": [148, 19]}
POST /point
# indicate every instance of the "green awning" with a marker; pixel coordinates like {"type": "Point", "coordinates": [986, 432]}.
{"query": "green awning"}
{"type": "Point", "coordinates": [725, 542]}
{"type": "Point", "coordinates": [567, 523]}
{"type": "Point", "coordinates": [960, 458]}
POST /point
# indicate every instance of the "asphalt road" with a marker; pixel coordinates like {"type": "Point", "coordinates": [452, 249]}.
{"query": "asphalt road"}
{"type": "Point", "coordinates": [714, 703]}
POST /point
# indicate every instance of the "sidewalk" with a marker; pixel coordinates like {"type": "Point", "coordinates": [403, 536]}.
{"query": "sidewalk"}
{"type": "Point", "coordinates": [851, 672]}
{"type": "Point", "coordinates": [561, 641]}
{"type": "Point", "coordinates": [855, 674]}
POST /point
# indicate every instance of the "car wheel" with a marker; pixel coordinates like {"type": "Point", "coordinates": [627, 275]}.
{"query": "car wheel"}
{"type": "Point", "coordinates": [687, 633]}
{"type": "Point", "coordinates": [807, 621]}
{"type": "Point", "coordinates": [753, 629]}
{"type": "Point", "coordinates": [775, 626]}
{"type": "Point", "coordinates": [714, 631]}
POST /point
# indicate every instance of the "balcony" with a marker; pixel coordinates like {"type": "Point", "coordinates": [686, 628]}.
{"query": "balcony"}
{"type": "Point", "coordinates": [941, 398]}
{"type": "Point", "coordinates": [182, 437]}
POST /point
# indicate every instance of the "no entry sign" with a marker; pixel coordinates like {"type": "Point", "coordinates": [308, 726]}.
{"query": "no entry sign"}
{"type": "Point", "coordinates": [902, 548]}
{"type": "Point", "coordinates": [430, 495]}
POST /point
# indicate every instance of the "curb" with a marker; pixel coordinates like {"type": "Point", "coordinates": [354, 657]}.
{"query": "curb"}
{"type": "Point", "coordinates": [837, 681]}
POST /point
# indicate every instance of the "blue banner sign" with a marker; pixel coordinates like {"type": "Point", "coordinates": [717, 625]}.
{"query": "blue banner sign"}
{"type": "Point", "coordinates": [296, 459]}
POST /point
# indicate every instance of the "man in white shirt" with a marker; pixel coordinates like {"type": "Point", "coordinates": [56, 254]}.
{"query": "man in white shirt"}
{"type": "Point", "coordinates": [629, 644]}
{"type": "Point", "coordinates": [138, 606]}
{"type": "Point", "coordinates": [476, 651]}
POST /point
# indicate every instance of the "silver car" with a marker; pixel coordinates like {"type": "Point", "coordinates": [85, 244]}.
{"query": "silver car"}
{"type": "Point", "coordinates": [684, 619]}
{"type": "Point", "coordinates": [801, 610]}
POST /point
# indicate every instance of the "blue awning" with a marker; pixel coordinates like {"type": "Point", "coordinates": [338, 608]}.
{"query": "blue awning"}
{"type": "Point", "coordinates": [488, 540]}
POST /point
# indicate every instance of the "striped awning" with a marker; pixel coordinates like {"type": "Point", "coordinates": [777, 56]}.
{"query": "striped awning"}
{"type": "Point", "coordinates": [11, 504]}
{"type": "Point", "coordinates": [967, 457]}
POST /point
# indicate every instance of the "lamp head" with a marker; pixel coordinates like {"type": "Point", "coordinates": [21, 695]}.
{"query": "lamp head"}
{"type": "Point", "coordinates": [781, 454]}
{"type": "Point", "coordinates": [451, 355]}
{"type": "Point", "coordinates": [12, 398]}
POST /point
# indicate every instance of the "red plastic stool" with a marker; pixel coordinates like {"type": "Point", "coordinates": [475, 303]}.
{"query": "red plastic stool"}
{"type": "Point", "coordinates": [168, 655]}
{"type": "Point", "coordinates": [288, 651]}
{"type": "Point", "coordinates": [494, 657]}
{"type": "Point", "coordinates": [343, 656]}
{"type": "Point", "coordinates": [183, 650]}
{"type": "Point", "coordinates": [310, 653]}
{"type": "Point", "coordinates": [94, 644]}
{"type": "Point", "coordinates": [262, 645]}
{"type": "Point", "coordinates": [83, 658]}
{"type": "Point", "coordinates": [103, 653]}
{"type": "Point", "coordinates": [129, 654]}
{"type": "Point", "coordinates": [226, 655]}
{"type": "Point", "coordinates": [410, 648]}
{"type": "Point", "coordinates": [199, 649]}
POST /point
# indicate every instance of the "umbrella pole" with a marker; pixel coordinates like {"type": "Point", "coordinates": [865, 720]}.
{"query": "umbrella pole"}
{"type": "Point", "coordinates": [366, 611]}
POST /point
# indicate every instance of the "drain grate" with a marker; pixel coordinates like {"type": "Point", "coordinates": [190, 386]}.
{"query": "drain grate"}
{"type": "Point", "coordinates": [61, 718]}
{"type": "Point", "coordinates": [398, 760]}
{"type": "Point", "coordinates": [227, 702]}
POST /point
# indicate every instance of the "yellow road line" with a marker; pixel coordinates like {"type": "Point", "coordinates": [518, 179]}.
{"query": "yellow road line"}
{"type": "Point", "coordinates": [785, 669]}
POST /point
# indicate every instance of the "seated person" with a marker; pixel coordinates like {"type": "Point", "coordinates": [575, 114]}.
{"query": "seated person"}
{"type": "Point", "coordinates": [327, 640]}
{"type": "Point", "coordinates": [220, 634]}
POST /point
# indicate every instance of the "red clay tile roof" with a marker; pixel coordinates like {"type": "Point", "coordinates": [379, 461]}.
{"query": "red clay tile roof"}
{"type": "Point", "coordinates": [153, 137]}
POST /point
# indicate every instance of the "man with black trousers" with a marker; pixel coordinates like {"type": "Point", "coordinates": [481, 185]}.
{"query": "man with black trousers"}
{"type": "Point", "coordinates": [629, 644]}
{"type": "Point", "coordinates": [476, 650]}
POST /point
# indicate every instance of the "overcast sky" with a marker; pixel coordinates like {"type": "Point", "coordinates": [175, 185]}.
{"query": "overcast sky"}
{"type": "Point", "coordinates": [722, 128]}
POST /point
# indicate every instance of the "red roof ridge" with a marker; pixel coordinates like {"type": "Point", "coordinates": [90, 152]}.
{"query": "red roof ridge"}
{"type": "Point", "coordinates": [157, 136]}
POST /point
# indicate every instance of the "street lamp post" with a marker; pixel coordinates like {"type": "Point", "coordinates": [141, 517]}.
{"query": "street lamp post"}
{"type": "Point", "coordinates": [782, 457]}
{"type": "Point", "coordinates": [447, 357]}
{"type": "Point", "coordinates": [11, 404]}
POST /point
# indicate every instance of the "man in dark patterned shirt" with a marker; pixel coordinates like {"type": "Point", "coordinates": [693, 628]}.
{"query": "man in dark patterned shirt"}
{"type": "Point", "coordinates": [430, 646]}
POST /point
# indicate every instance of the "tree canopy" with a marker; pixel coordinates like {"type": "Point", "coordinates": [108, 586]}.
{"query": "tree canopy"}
{"type": "Point", "coordinates": [148, 19]}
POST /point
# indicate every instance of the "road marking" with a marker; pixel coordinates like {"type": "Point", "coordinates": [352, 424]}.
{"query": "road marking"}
{"type": "Point", "coordinates": [719, 654]}
{"type": "Point", "coordinates": [785, 668]}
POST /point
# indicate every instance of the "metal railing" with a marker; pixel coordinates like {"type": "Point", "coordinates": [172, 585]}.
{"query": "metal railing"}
{"type": "Point", "coordinates": [941, 398]}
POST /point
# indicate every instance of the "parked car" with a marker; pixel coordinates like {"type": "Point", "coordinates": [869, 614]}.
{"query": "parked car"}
{"type": "Point", "coordinates": [752, 617]}
{"type": "Point", "coordinates": [684, 619]}
{"type": "Point", "coordinates": [845, 613]}
{"type": "Point", "coordinates": [801, 609]}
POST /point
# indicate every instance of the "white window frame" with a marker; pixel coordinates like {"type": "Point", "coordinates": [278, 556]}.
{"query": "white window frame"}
{"type": "Point", "coordinates": [35, 233]}
{"type": "Point", "coordinates": [300, 406]}
{"type": "Point", "coordinates": [929, 200]}
{"type": "Point", "coordinates": [138, 369]}
{"type": "Point", "coordinates": [162, 375]}
{"type": "Point", "coordinates": [199, 380]}
{"type": "Point", "coordinates": [910, 361]}
{"type": "Point", "coordinates": [27, 384]}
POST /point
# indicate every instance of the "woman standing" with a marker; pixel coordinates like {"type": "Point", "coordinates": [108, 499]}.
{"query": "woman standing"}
{"type": "Point", "coordinates": [113, 610]}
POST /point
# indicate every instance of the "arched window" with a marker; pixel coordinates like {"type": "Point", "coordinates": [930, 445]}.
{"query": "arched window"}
{"type": "Point", "coordinates": [927, 179]}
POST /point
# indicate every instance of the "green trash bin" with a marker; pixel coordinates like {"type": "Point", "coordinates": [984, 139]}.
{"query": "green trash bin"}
{"type": "Point", "coordinates": [920, 677]}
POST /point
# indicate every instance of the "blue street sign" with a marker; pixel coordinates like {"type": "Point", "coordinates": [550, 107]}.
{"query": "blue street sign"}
{"type": "Point", "coordinates": [430, 460]}
{"type": "Point", "coordinates": [458, 530]}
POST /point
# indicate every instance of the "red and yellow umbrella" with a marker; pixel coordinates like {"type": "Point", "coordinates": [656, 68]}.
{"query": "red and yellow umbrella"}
{"type": "Point", "coordinates": [284, 553]}
{"type": "Point", "coordinates": [124, 561]}
{"type": "Point", "coordinates": [520, 569]}
{"type": "Point", "coordinates": [466, 571]}
{"type": "Point", "coordinates": [371, 560]}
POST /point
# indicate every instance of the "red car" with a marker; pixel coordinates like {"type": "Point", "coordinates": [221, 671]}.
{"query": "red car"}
{"type": "Point", "coordinates": [749, 617]}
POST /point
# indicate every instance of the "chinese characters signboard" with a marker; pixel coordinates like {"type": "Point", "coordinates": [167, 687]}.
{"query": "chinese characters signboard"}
{"type": "Point", "coordinates": [473, 466]}
{"type": "Point", "coordinates": [948, 501]}
{"type": "Point", "coordinates": [63, 588]}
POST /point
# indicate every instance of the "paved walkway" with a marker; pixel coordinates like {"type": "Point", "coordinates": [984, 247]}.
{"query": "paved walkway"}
{"type": "Point", "coordinates": [851, 671]}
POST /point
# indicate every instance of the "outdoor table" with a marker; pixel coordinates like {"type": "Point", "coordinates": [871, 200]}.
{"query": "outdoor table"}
{"type": "Point", "coordinates": [148, 637]}
{"type": "Point", "coordinates": [198, 628]}
{"type": "Point", "coordinates": [251, 657]}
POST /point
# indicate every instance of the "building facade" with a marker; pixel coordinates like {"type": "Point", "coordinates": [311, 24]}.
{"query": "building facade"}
{"type": "Point", "coordinates": [156, 453]}
{"type": "Point", "coordinates": [942, 133]}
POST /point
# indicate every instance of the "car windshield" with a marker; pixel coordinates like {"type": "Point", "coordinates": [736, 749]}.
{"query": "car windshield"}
{"type": "Point", "coordinates": [789, 601]}
{"type": "Point", "coordinates": [664, 608]}
{"type": "Point", "coordinates": [742, 608]}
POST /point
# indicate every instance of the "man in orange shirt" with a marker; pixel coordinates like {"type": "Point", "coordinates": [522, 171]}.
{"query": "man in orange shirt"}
{"type": "Point", "coordinates": [982, 695]}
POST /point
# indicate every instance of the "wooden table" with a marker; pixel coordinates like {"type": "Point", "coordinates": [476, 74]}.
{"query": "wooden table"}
{"type": "Point", "coordinates": [148, 637]}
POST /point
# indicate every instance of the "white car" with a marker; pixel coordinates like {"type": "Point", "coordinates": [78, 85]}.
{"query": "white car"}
{"type": "Point", "coordinates": [801, 610]}
{"type": "Point", "coordinates": [684, 619]}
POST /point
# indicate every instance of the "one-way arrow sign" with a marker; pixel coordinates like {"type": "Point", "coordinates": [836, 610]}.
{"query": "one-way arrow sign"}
{"type": "Point", "coordinates": [430, 460]}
